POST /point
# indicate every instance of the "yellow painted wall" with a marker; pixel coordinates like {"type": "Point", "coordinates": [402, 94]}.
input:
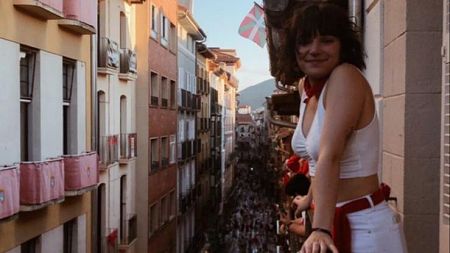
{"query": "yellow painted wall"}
{"type": "Point", "coordinates": [24, 29]}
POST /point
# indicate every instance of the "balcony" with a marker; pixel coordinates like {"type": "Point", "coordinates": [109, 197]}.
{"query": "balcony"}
{"type": "Point", "coordinates": [164, 162]}
{"type": "Point", "coordinates": [131, 233]}
{"type": "Point", "coordinates": [164, 102]}
{"type": "Point", "coordinates": [41, 183]}
{"type": "Point", "coordinates": [184, 99]}
{"type": "Point", "coordinates": [128, 65]}
{"type": "Point", "coordinates": [108, 151]}
{"type": "Point", "coordinates": [128, 147]}
{"type": "Point", "coordinates": [108, 57]}
{"type": "Point", "coordinates": [154, 101]}
{"type": "Point", "coordinates": [43, 9]}
{"type": "Point", "coordinates": [80, 173]}
{"type": "Point", "coordinates": [9, 192]}
{"type": "Point", "coordinates": [80, 16]}
{"type": "Point", "coordinates": [155, 165]}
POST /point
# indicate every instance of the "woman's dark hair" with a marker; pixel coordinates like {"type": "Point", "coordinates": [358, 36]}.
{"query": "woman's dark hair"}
{"type": "Point", "coordinates": [323, 19]}
{"type": "Point", "coordinates": [297, 185]}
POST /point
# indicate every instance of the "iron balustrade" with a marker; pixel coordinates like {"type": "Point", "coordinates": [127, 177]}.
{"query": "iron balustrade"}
{"type": "Point", "coordinates": [108, 149]}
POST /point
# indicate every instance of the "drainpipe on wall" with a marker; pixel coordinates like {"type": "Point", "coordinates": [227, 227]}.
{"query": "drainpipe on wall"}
{"type": "Point", "coordinates": [355, 11]}
{"type": "Point", "coordinates": [94, 143]}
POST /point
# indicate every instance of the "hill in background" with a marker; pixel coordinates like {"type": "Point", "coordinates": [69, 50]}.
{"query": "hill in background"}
{"type": "Point", "coordinates": [255, 95]}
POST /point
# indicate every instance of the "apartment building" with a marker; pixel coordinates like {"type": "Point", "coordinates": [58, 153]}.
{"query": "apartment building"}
{"type": "Point", "coordinates": [47, 78]}
{"type": "Point", "coordinates": [216, 97]}
{"type": "Point", "coordinates": [410, 84]}
{"type": "Point", "coordinates": [229, 63]}
{"type": "Point", "coordinates": [204, 161]}
{"type": "Point", "coordinates": [189, 104]}
{"type": "Point", "coordinates": [115, 216]}
{"type": "Point", "coordinates": [156, 124]}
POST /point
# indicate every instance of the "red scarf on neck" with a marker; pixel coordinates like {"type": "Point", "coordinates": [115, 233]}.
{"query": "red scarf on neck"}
{"type": "Point", "coordinates": [312, 90]}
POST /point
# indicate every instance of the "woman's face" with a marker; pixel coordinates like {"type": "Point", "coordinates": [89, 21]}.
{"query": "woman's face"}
{"type": "Point", "coordinates": [317, 58]}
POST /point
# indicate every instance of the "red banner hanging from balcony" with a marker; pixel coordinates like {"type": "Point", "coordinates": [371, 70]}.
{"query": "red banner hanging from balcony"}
{"type": "Point", "coordinates": [9, 191]}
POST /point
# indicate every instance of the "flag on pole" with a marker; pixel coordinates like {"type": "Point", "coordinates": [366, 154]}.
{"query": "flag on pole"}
{"type": "Point", "coordinates": [253, 26]}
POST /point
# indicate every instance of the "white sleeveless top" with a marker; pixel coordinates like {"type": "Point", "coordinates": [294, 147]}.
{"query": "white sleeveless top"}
{"type": "Point", "coordinates": [361, 154]}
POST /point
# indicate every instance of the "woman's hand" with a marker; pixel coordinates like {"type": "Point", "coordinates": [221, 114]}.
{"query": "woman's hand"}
{"type": "Point", "coordinates": [301, 203]}
{"type": "Point", "coordinates": [318, 242]}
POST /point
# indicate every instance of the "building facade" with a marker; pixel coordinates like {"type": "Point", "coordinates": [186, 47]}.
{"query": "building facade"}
{"type": "Point", "coordinates": [189, 105]}
{"type": "Point", "coordinates": [115, 206]}
{"type": "Point", "coordinates": [47, 91]}
{"type": "Point", "coordinates": [156, 124]}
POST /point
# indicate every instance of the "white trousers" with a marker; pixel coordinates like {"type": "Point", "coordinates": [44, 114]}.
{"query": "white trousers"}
{"type": "Point", "coordinates": [377, 230]}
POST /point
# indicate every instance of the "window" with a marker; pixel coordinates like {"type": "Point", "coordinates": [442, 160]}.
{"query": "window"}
{"type": "Point", "coordinates": [172, 149]}
{"type": "Point", "coordinates": [153, 223]}
{"type": "Point", "coordinates": [164, 210]}
{"type": "Point", "coordinates": [172, 205]}
{"type": "Point", "coordinates": [154, 158]}
{"type": "Point", "coordinates": [70, 236]}
{"type": "Point", "coordinates": [173, 101]}
{"type": "Point", "coordinates": [123, 30]}
{"type": "Point", "coordinates": [69, 67]}
{"type": "Point", "coordinates": [27, 73]}
{"type": "Point", "coordinates": [164, 31]}
{"type": "Point", "coordinates": [154, 89]}
{"type": "Point", "coordinates": [164, 93]}
{"type": "Point", "coordinates": [164, 152]}
{"type": "Point", "coordinates": [154, 28]}
{"type": "Point", "coordinates": [173, 38]}
{"type": "Point", "coordinates": [31, 246]}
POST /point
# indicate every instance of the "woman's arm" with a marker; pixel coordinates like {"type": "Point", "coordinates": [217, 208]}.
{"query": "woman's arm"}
{"type": "Point", "coordinates": [344, 101]}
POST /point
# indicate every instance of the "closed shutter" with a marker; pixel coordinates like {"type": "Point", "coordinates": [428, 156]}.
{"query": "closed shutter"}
{"type": "Point", "coordinates": [446, 120]}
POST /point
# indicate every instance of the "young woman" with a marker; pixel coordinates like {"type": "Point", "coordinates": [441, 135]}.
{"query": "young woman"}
{"type": "Point", "coordinates": [338, 133]}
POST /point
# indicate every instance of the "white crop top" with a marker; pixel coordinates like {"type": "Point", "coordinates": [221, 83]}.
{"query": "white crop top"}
{"type": "Point", "coordinates": [361, 154]}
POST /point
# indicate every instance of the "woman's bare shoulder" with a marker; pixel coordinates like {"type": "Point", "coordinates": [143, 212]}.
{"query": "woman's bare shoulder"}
{"type": "Point", "coordinates": [347, 76]}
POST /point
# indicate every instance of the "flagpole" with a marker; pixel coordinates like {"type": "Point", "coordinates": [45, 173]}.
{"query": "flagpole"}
{"type": "Point", "coordinates": [258, 5]}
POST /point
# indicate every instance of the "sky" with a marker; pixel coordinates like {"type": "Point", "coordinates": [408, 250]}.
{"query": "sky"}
{"type": "Point", "coordinates": [220, 21]}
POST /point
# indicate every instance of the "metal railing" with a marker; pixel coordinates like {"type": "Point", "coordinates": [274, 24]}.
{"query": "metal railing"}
{"type": "Point", "coordinates": [128, 145]}
{"type": "Point", "coordinates": [108, 149]}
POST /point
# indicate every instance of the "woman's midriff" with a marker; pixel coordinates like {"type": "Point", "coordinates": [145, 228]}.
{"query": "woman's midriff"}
{"type": "Point", "coordinates": [353, 188]}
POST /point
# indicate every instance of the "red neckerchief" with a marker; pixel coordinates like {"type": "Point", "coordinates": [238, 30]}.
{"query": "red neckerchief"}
{"type": "Point", "coordinates": [312, 90]}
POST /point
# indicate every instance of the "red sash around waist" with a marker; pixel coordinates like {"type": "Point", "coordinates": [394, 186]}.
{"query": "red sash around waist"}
{"type": "Point", "coordinates": [341, 229]}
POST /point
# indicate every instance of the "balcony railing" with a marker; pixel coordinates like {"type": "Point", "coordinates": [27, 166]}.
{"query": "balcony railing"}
{"type": "Point", "coordinates": [9, 191]}
{"type": "Point", "coordinates": [81, 16]}
{"type": "Point", "coordinates": [128, 61]}
{"type": "Point", "coordinates": [154, 101]}
{"type": "Point", "coordinates": [41, 183]}
{"type": "Point", "coordinates": [164, 102]}
{"type": "Point", "coordinates": [164, 162]}
{"type": "Point", "coordinates": [80, 173]}
{"type": "Point", "coordinates": [108, 55]}
{"type": "Point", "coordinates": [108, 150]}
{"type": "Point", "coordinates": [131, 232]}
{"type": "Point", "coordinates": [128, 146]}
{"type": "Point", "coordinates": [45, 9]}
{"type": "Point", "coordinates": [155, 165]}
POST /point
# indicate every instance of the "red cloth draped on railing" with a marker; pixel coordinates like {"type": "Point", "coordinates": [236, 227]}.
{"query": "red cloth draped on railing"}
{"type": "Point", "coordinates": [41, 181]}
{"type": "Point", "coordinates": [80, 171]}
{"type": "Point", "coordinates": [9, 191]}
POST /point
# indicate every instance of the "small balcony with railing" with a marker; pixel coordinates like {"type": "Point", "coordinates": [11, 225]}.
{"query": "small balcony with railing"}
{"type": "Point", "coordinates": [41, 183]}
{"type": "Point", "coordinates": [9, 192]}
{"type": "Point", "coordinates": [108, 151]}
{"type": "Point", "coordinates": [128, 147]}
{"type": "Point", "coordinates": [42, 9]}
{"type": "Point", "coordinates": [108, 56]}
{"type": "Point", "coordinates": [128, 65]}
{"type": "Point", "coordinates": [80, 16]}
{"type": "Point", "coordinates": [80, 173]}
{"type": "Point", "coordinates": [130, 233]}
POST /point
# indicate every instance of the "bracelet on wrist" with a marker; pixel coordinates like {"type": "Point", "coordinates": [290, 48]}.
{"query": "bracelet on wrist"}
{"type": "Point", "coordinates": [326, 231]}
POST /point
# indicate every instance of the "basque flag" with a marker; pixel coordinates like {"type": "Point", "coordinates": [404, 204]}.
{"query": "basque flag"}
{"type": "Point", "coordinates": [253, 26]}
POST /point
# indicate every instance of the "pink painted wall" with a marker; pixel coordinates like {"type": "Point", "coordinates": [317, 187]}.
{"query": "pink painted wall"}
{"type": "Point", "coordinates": [80, 171]}
{"type": "Point", "coordinates": [82, 10]}
{"type": "Point", "coordinates": [55, 4]}
{"type": "Point", "coordinates": [9, 191]}
{"type": "Point", "coordinates": [41, 181]}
